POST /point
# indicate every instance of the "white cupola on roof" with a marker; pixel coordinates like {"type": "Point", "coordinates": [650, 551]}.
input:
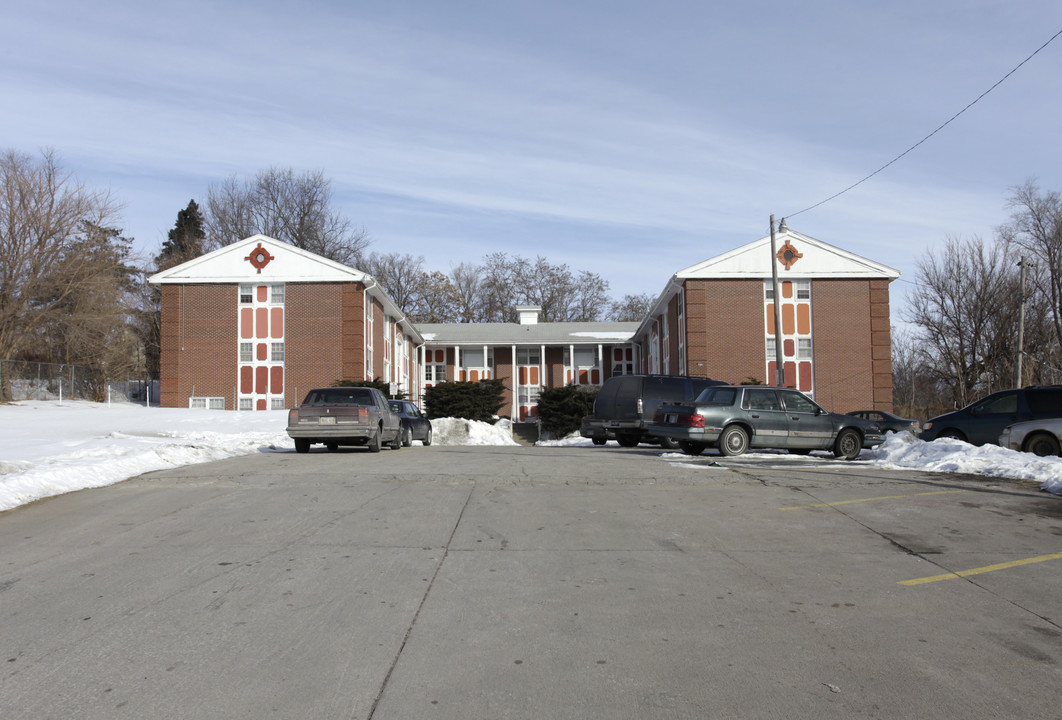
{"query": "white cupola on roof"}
{"type": "Point", "coordinates": [528, 314]}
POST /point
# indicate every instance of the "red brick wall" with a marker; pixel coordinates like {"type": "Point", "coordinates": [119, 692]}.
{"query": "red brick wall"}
{"type": "Point", "coordinates": [199, 343]}
{"type": "Point", "coordinates": [324, 336]}
{"type": "Point", "coordinates": [850, 331]}
{"type": "Point", "coordinates": [725, 330]}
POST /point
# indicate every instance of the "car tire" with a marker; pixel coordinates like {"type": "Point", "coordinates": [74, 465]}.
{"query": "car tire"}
{"type": "Point", "coordinates": [1041, 444]}
{"type": "Point", "coordinates": [669, 443]}
{"type": "Point", "coordinates": [599, 440]}
{"type": "Point", "coordinates": [733, 441]}
{"type": "Point", "coordinates": [374, 441]}
{"type": "Point", "coordinates": [691, 448]}
{"type": "Point", "coordinates": [407, 436]}
{"type": "Point", "coordinates": [848, 444]}
{"type": "Point", "coordinates": [427, 436]}
{"type": "Point", "coordinates": [302, 445]}
{"type": "Point", "coordinates": [951, 434]}
{"type": "Point", "coordinates": [627, 441]}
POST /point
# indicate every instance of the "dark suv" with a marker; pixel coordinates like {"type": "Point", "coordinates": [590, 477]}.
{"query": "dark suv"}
{"type": "Point", "coordinates": [626, 403]}
{"type": "Point", "coordinates": [981, 422]}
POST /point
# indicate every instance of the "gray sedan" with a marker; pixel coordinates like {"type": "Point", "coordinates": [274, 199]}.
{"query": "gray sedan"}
{"type": "Point", "coordinates": [736, 418]}
{"type": "Point", "coordinates": [344, 416]}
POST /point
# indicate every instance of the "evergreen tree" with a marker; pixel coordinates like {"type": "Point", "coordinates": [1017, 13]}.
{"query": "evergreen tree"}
{"type": "Point", "coordinates": [185, 240]}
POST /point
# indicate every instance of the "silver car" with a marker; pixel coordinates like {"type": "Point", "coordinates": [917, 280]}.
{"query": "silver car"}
{"type": "Point", "coordinates": [344, 416]}
{"type": "Point", "coordinates": [735, 418]}
{"type": "Point", "coordinates": [1039, 437]}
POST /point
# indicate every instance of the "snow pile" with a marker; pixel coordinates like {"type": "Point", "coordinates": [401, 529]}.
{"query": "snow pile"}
{"type": "Point", "coordinates": [48, 448]}
{"type": "Point", "coordinates": [904, 450]}
{"type": "Point", "coordinates": [457, 431]}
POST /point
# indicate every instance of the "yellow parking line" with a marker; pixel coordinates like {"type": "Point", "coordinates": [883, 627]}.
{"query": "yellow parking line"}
{"type": "Point", "coordinates": [985, 569]}
{"type": "Point", "coordinates": [883, 497]}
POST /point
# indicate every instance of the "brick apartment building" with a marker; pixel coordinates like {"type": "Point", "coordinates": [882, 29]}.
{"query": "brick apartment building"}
{"type": "Point", "coordinates": [716, 319]}
{"type": "Point", "coordinates": [256, 324]}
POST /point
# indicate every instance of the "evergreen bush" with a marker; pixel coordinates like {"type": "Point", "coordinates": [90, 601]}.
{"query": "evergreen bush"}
{"type": "Point", "coordinates": [470, 400]}
{"type": "Point", "coordinates": [562, 409]}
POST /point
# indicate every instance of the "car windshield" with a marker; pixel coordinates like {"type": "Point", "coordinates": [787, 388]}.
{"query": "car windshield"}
{"type": "Point", "coordinates": [339, 396]}
{"type": "Point", "coordinates": [717, 396]}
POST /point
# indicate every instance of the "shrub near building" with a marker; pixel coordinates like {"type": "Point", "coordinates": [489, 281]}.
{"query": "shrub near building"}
{"type": "Point", "coordinates": [561, 409]}
{"type": "Point", "coordinates": [469, 400]}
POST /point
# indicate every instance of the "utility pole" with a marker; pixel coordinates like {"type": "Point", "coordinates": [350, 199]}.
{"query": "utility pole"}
{"type": "Point", "coordinates": [779, 366]}
{"type": "Point", "coordinates": [1021, 321]}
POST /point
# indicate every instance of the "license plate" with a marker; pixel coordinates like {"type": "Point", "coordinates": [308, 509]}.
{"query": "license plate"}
{"type": "Point", "coordinates": [671, 418]}
{"type": "Point", "coordinates": [326, 420]}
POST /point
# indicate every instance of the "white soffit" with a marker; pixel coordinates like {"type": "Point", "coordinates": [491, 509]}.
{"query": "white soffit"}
{"type": "Point", "coordinates": [816, 260]}
{"type": "Point", "coordinates": [259, 259]}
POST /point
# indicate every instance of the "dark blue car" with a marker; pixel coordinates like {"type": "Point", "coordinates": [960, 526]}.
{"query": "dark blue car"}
{"type": "Point", "coordinates": [415, 424]}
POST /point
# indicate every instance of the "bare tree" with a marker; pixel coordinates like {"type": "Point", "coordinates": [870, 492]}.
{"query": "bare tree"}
{"type": "Point", "coordinates": [466, 280]}
{"type": "Point", "coordinates": [965, 308]}
{"type": "Point", "coordinates": [295, 209]}
{"type": "Point", "coordinates": [437, 302]}
{"type": "Point", "coordinates": [399, 275]}
{"type": "Point", "coordinates": [46, 257]}
{"type": "Point", "coordinates": [1035, 230]}
{"type": "Point", "coordinates": [631, 308]}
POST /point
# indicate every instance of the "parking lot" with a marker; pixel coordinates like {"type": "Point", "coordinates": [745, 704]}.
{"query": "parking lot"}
{"type": "Point", "coordinates": [510, 582]}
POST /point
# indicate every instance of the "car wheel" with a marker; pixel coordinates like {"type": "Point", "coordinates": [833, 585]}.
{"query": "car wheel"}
{"type": "Point", "coordinates": [691, 448]}
{"type": "Point", "coordinates": [599, 440]}
{"type": "Point", "coordinates": [1041, 445]}
{"type": "Point", "coordinates": [951, 434]}
{"type": "Point", "coordinates": [669, 443]}
{"type": "Point", "coordinates": [407, 436]}
{"type": "Point", "coordinates": [374, 441]}
{"type": "Point", "coordinates": [427, 436]}
{"type": "Point", "coordinates": [302, 445]}
{"type": "Point", "coordinates": [627, 440]}
{"type": "Point", "coordinates": [332, 447]}
{"type": "Point", "coordinates": [733, 441]}
{"type": "Point", "coordinates": [848, 444]}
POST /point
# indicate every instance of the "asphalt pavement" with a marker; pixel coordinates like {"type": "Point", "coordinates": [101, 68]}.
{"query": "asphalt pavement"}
{"type": "Point", "coordinates": [533, 583]}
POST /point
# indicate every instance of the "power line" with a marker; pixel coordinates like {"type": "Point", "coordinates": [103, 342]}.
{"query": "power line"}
{"type": "Point", "coordinates": [953, 117]}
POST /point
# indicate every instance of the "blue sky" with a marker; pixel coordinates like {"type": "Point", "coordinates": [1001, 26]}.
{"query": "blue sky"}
{"type": "Point", "coordinates": [630, 139]}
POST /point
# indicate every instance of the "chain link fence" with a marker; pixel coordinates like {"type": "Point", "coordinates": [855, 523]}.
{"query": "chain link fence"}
{"type": "Point", "coordinates": [53, 381]}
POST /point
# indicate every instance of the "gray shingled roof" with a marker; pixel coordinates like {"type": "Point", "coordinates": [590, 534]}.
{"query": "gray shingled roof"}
{"type": "Point", "coordinates": [546, 333]}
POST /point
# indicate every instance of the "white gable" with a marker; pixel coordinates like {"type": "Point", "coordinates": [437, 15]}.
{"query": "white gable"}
{"type": "Point", "coordinates": [816, 260]}
{"type": "Point", "coordinates": [259, 259]}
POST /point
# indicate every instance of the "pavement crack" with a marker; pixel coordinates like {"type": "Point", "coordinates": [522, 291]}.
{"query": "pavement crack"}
{"type": "Point", "coordinates": [420, 607]}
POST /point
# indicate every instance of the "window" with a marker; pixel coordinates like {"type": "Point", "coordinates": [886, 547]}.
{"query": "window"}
{"type": "Point", "coordinates": [276, 352]}
{"type": "Point", "coordinates": [796, 402]}
{"type": "Point", "coordinates": [528, 356]}
{"type": "Point", "coordinates": [804, 349]}
{"type": "Point", "coordinates": [206, 403]}
{"type": "Point", "coordinates": [246, 294]}
{"type": "Point", "coordinates": [276, 294]}
{"type": "Point", "coordinates": [276, 403]}
{"type": "Point", "coordinates": [246, 404]}
{"type": "Point", "coordinates": [246, 352]}
{"type": "Point", "coordinates": [803, 289]}
{"type": "Point", "coordinates": [435, 373]}
{"type": "Point", "coordinates": [472, 358]}
{"type": "Point", "coordinates": [763, 400]}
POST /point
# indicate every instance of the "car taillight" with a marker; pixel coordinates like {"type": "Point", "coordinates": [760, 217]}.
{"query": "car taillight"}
{"type": "Point", "coordinates": [293, 416]}
{"type": "Point", "coordinates": [697, 420]}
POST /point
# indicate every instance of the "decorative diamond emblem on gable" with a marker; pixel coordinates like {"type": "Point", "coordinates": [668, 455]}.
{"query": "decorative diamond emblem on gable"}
{"type": "Point", "coordinates": [788, 255]}
{"type": "Point", "coordinates": [259, 257]}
